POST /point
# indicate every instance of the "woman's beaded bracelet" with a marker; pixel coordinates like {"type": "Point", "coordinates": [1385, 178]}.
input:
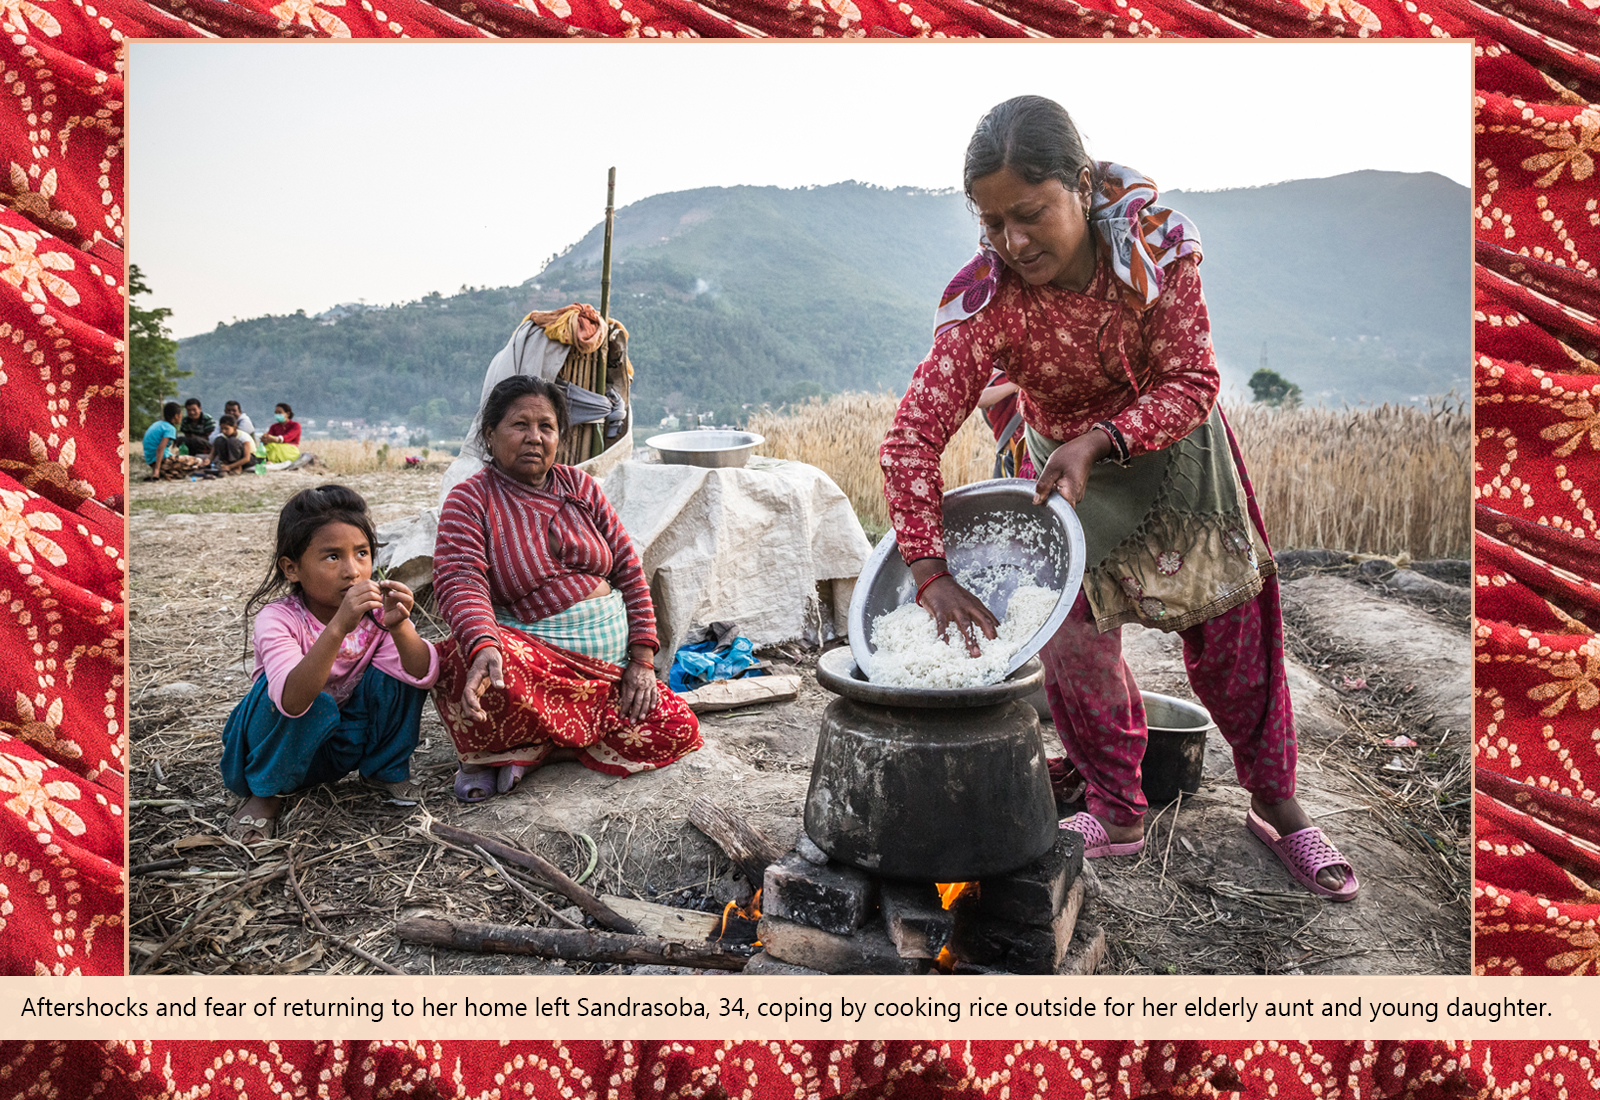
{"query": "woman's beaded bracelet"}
{"type": "Point", "coordinates": [1119, 446]}
{"type": "Point", "coordinates": [921, 588]}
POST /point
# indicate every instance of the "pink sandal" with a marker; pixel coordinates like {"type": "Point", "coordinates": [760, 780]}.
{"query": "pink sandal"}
{"type": "Point", "coordinates": [1304, 853]}
{"type": "Point", "coordinates": [1095, 841]}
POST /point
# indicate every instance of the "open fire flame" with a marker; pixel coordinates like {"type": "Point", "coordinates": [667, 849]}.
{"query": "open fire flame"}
{"type": "Point", "coordinates": [949, 893]}
{"type": "Point", "coordinates": [734, 909]}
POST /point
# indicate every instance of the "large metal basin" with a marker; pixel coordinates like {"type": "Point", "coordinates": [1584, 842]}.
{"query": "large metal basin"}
{"type": "Point", "coordinates": [1047, 550]}
{"type": "Point", "coordinates": [923, 785]}
{"type": "Point", "coordinates": [714, 449]}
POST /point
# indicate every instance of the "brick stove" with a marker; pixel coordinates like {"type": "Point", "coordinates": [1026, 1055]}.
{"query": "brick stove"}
{"type": "Point", "coordinates": [914, 788]}
{"type": "Point", "coordinates": [823, 916]}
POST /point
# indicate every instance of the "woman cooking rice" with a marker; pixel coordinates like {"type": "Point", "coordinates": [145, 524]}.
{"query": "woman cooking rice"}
{"type": "Point", "coordinates": [1088, 294]}
{"type": "Point", "coordinates": [553, 633]}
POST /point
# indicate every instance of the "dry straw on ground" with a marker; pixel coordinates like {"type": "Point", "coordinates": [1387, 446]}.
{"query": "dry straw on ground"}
{"type": "Point", "coordinates": [1391, 480]}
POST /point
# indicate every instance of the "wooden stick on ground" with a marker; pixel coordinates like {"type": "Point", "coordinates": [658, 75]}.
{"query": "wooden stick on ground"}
{"type": "Point", "coordinates": [323, 929]}
{"type": "Point", "coordinates": [749, 848]}
{"type": "Point", "coordinates": [521, 889]}
{"type": "Point", "coordinates": [436, 930]}
{"type": "Point", "coordinates": [547, 871]}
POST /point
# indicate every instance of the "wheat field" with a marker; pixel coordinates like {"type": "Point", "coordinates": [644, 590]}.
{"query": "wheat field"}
{"type": "Point", "coordinates": [840, 436]}
{"type": "Point", "coordinates": [1389, 480]}
{"type": "Point", "coordinates": [362, 456]}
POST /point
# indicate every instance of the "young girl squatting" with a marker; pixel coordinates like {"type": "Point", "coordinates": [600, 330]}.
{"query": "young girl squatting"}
{"type": "Point", "coordinates": [340, 671]}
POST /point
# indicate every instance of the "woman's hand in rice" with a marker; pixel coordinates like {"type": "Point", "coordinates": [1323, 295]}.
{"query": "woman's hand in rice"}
{"type": "Point", "coordinates": [637, 691]}
{"type": "Point", "coordinates": [486, 672]}
{"type": "Point", "coordinates": [949, 603]}
{"type": "Point", "coordinates": [398, 600]}
{"type": "Point", "coordinates": [1067, 471]}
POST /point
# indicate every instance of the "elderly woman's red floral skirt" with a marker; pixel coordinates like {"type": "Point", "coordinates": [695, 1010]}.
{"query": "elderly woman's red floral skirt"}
{"type": "Point", "coordinates": [556, 698]}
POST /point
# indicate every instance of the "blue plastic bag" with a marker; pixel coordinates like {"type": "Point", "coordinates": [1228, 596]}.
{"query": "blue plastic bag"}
{"type": "Point", "coordinates": [696, 665]}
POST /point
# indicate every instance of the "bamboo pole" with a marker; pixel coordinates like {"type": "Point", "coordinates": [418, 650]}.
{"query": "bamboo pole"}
{"type": "Point", "coordinates": [598, 443]}
{"type": "Point", "coordinates": [605, 255]}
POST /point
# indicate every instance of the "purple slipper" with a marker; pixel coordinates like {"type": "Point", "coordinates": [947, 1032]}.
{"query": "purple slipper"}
{"type": "Point", "coordinates": [507, 776]}
{"type": "Point", "coordinates": [1303, 854]}
{"type": "Point", "coordinates": [474, 786]}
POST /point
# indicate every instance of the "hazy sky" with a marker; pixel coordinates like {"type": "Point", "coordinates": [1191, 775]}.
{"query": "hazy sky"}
{"type": "Point", "coordinates": [268, 177]}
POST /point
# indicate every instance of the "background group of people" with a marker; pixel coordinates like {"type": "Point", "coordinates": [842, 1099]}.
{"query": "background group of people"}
{"type": "Point", "coordinates": [187, 442]}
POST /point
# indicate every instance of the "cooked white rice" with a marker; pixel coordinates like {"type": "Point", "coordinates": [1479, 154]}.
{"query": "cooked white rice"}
{"type": "Point", "coordinates": [909, 653]}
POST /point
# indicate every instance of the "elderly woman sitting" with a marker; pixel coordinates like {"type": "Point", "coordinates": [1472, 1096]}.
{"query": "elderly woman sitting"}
{"type": "Point", "coordinates": [553, 634]}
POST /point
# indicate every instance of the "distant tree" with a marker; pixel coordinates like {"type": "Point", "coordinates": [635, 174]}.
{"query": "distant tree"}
{"type": "Point", "coordinates": [1272, 388]}
{"type": "Point", "coordinates": [152, 358]}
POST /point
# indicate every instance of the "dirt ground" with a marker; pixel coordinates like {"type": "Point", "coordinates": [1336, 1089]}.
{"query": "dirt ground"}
{"type": "Point", "coordinates": [1368, 665]}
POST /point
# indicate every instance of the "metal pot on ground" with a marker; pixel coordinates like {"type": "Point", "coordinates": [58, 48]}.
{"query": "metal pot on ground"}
{"type": "Point", "coordinates": [948, 786]}
{"type": "Point", "coordinates": [1175, 752]}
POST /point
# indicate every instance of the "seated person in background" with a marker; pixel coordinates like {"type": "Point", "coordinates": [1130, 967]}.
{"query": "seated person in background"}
{"type": "Point", "coordinates": [240, 420]}
{"type": "Point", "coordinates": [231, 451]}
{"type": "Point", "coordinates": [282, 438]}
{"type": "Point", "coordinates": [161, 447]}
{"type": "Point", "coordinates": [196, 429]}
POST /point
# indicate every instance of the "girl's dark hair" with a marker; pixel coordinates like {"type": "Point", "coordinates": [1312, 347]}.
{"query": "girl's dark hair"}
{"type": "Point", "coordinates": [306, 513]}
{"type": "Point", "coordinates": [170, 410]}
{"type": "Point", "coordinates": [284, 405]}
{"type": "Point", "coordinates": [507, 392]}
{"type": "Point", "coordinates": [1031, 135]}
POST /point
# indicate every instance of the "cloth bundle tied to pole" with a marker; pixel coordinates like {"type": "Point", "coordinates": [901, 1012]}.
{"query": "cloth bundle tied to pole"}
{"type": "Point", "coordinates": [579, 325]}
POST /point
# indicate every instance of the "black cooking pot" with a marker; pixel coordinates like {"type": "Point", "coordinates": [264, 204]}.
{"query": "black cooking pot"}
{"type": "Point", "coordinates": [948, 785]}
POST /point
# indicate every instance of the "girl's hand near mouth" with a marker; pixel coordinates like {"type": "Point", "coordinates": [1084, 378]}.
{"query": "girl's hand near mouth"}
{"type": "Point", "coordinates": [360, 599]}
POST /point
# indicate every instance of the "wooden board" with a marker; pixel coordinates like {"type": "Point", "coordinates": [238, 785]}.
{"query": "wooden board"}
{"type": "Point", "coordinates": [664, 921]}
{"type": "Point", "coordinates": [747, 691]}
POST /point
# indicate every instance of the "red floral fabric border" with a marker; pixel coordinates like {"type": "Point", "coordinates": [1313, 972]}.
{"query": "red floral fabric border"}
{"type": "Point", "coordinates": [62, 477]}
{"type": "Point", "coordinates": [798, 1070]}
{"type": "Point", "coordinates": [62, 296]}
{"type": "Point", "coordinates": [1537, 485]}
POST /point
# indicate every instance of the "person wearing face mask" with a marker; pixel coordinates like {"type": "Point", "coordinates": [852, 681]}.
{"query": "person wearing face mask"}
{"type": "Point", "coordinates": [1086, 291]}
{"type": "Point", "coordinates": [280, 443]}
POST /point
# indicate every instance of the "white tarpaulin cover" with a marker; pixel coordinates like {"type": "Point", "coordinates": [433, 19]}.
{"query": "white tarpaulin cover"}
{"type": "Point", "coordinates": [750, 546]}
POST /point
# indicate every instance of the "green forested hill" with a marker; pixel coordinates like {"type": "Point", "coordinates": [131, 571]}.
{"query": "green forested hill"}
{"type": "Point", "coordinates": [1356, 285]}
